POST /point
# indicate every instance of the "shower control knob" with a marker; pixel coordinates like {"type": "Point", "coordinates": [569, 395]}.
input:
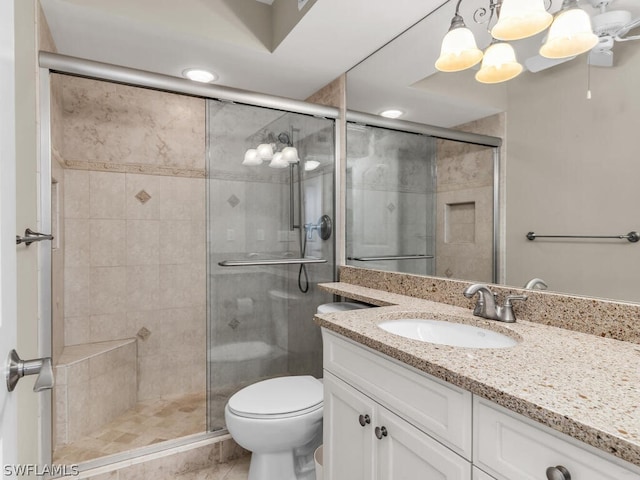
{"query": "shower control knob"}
{"type": "Point", "coordinates": [558, 473]}
{"type": "Point", "coordinates": [381, 432]}
{"type": "Point", "coordinates": [364, 420]}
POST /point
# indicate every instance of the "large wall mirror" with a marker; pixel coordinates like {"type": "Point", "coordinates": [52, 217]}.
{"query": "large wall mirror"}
{"type": "Point", "coordinates": [570, 160]}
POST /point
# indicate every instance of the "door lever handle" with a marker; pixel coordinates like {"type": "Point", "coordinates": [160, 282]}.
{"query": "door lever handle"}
{"type": "Point", "coordinates": [18, 368]}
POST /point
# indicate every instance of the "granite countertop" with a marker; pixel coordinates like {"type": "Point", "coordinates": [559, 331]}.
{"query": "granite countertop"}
{"type": "Point", "coordinates": [582, 385]}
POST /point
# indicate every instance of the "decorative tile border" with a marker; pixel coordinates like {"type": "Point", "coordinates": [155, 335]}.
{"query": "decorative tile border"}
{"type": "Point", "coordinates": [135, 168]}
{"type": "Point", "coordinates": [604, 318]}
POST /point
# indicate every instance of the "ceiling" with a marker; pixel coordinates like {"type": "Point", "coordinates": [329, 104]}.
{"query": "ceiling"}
{"type": "Point", "coordinates": [234, 38]}
{"type": "Point", "coordinates": [269, 46]}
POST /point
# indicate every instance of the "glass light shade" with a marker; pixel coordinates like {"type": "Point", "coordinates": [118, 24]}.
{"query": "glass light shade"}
{"type": "Point", "coordinates": [265, 150]}
{"type": "Point", "coordinates": [278, 161]}
{"type": "Point", "coordinates": [290, 154]}
{"type": "Point", "coordinates": [251, 158]}
{"type": "Point", "coordinates": [521, 19]}
{"type": "Point", "coordinates": [499, 64]}
{"type": "Point", "coordinates": [459, 51]}
{"type": "Point", "coordinates": [571, 34]}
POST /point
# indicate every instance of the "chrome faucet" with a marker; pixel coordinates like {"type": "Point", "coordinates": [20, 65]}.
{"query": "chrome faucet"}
{"type": "Point", "coordinates": [486, 305]}
{"type": "Point", "coordinates": [536, 283]}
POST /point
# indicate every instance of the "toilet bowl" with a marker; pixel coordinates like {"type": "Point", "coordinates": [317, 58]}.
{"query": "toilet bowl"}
{"type": "Point", "coordinates": [280, 421]}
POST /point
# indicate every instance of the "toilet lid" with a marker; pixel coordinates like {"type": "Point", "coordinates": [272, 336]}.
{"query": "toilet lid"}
{"type": "Point", "coordinates": [277, 396]}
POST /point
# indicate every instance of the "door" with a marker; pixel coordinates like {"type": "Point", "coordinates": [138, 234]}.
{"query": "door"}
{"type": "Point", "coordinates": [8, 421]}
{"type": "Point", "coordinates": [406, 453]}
{"type": "Point", "coordinates": [348, 436]}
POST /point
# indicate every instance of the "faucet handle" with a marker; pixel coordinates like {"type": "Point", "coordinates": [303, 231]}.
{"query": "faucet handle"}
{"type": "Point", "coordinates": [506, 312]}
{"type": "Point", "coordinates": [508, 301]}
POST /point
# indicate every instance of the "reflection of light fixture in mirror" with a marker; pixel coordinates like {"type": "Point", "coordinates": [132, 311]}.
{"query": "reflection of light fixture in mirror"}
{"type": "Point", "coordinates": [268, 151]}
{"type": "Point", "coordinates": [265, 150]}
{"type": "Point", "coordinates": [392, 113]}
{"type": "Point", "coordinates": [571, 33]}
{"type": "Point", "coordinates": [251, 158]}
{"type": "Point", "coordinates": [199, 75]}
{"type": "Point", "coordinates": [290, 155]}
{"type": "Point", "coordinates": [278, 161]}
{"type": "Point", "coordinates": [499, 64]}
{"type": "Point", "coordinates": [459, 50]}
{"type": "Point", "coordinates": [521, 19]}
{"type": "Point", "coordinates": [311, 165]}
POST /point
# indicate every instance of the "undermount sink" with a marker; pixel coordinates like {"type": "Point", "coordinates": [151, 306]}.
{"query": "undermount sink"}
{"type": "Point", "coordinates": [447, 333]}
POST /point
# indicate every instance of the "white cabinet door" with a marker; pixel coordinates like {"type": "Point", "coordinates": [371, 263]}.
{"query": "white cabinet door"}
{"type": "Point", "coordinates": [510, 447]}
{"type": "Point", "coordinates": [406, 453]}
{"type": "Point", "coordinates": [348, 437]}
{"type": "Point", "coordinates": [480, 475]}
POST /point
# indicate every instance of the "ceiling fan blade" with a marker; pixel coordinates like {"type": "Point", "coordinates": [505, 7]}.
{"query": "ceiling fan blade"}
{"type": "Point", "coordinates": [622, 32]}
{"type": "Point", "coordinates": [537, 63]}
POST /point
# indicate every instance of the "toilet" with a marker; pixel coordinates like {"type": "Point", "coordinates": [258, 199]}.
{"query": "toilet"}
{"type": "Point", "coordinates": [279, 420]}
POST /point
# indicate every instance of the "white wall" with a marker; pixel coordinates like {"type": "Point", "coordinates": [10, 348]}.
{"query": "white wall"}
{"type": "Point", "coordinates": [573, 168]}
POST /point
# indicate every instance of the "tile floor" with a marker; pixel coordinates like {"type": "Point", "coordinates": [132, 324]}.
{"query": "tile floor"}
{"type": "Point", "coordinates": [149, 422]}
{"type": "Point", "coordinates": [234, 470]}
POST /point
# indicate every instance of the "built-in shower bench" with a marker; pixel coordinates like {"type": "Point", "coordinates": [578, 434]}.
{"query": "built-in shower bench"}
{"type": "Point", "coordinates": [95, 382]}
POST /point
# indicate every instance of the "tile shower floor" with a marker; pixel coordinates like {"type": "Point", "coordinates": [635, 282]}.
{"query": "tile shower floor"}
{"type": "Point", "coordinates": [150, 422]}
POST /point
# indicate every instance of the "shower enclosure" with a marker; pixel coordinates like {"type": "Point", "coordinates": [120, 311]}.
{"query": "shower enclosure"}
{"type": "Point", "coordinates": [149, 197]}
{"type": "Point", "coordinates": [391, 193]}
{"type": "Point", "coordinates": [419, 203]}
{"type": "Point", "coordinates": [270, 184]}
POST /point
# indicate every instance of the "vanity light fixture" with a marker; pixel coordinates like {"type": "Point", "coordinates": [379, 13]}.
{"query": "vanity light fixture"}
{"type": "Point", "coordinates": [570, 34]}
{"type": "Point", "coordinates": [392, 113]}
{"type": "Point", "coordinates": [199, 75]}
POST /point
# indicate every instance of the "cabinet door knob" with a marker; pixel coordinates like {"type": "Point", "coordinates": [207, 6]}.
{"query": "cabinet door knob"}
{"type": "Point", "coordinates": [364, 420]}
{"type": "Point", "coordinates": [558, 473]}
{"type": "Point", "coordinates": [381, 432]}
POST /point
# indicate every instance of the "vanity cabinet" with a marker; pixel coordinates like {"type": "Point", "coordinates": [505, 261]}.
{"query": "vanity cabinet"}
{"type": "Point", "coordinates": [508, 446]}
{"type": "Point", "coordinates": [384, 420]}
{"type": "Point", "coordinates": [368, 441]}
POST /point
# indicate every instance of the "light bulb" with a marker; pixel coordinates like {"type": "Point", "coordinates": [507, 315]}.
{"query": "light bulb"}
{"type": "Point", "coordinates": [521, 19]}
{"type": "Point", "coordinates": [290, 154]}
{"type": "Point", "coordinates": [197, 75]}
{"type": "Point", "coordinates": [251, 158]}
{"type": "Point", "coordinates": [499, 64]}
{"type": "Point", "coordinates": [458, 51]}
{"type": "Point", "coordinates": [278, 161]}
{"type": "Point", "coordinates": [571, 34]}
{"type": "Point", "coordinates": [265, 150]}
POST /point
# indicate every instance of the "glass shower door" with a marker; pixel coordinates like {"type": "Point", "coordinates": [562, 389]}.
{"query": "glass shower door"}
{"type": "Point", "coordinates": [268, 245]}
{"type": "Point", "coordinates": [390, 199]}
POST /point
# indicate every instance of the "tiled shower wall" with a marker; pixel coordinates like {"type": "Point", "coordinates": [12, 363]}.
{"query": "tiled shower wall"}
{"type": "Point", "coordinates": [134, 221]}
{"type": "Point", "coordinates": [464, 247]}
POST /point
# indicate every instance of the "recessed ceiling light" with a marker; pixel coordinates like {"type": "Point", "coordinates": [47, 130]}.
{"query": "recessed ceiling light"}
{"type": "Point", "coordinates": [198, 75]}
{"type": "Point", "coordinates": [392, 113]}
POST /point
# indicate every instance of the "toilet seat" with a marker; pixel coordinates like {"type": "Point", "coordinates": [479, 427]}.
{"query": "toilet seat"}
{"type": "Point", "coordinates": [280, 397]}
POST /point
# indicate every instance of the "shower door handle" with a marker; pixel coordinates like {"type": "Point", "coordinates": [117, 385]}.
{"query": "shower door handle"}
{"type": "Point", "coordinates": [30, 236]}
{"type": "Point", "coordinates": [18, 368]}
